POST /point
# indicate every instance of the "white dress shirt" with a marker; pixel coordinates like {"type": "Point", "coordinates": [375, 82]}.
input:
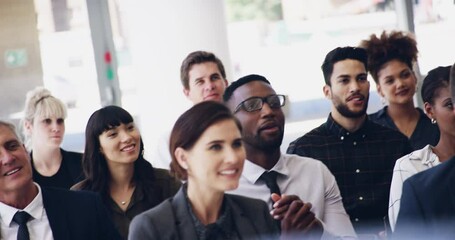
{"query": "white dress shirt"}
{"type": "Point", "coordinates": [405, 167]}
{"type": "Point", "coordinates": [161, 158]}
{"type": "Point", "coordinates": [38, 225]}
{"type": "Point", "coordinates": [311, 181]}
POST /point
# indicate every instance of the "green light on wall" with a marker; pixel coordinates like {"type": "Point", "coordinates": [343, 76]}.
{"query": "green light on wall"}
{"type": "Point", "coordinates": [109, 73]}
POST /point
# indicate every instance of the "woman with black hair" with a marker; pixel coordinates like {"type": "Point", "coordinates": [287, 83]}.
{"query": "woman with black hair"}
{"type": "Point", "coordinates": [439, 107]}
{"type": "Point", "coordinates": [114, 167]}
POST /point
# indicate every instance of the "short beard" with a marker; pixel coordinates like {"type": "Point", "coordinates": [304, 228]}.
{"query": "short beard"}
{"type": "Point", "coordinates": [269, 145]}
{"type": "Point", "coordinates": [345, 112]}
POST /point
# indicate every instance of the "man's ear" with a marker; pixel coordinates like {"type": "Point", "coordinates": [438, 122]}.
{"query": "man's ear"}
{"type": "Point", "coordinates": [181, 157]}
{"type": "Point", "coordinates": [327, 91]}
{"type": "Point", "coordinates": [186, 92]}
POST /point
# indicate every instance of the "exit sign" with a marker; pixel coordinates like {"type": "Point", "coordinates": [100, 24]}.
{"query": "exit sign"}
{"type": "Point", "coordinates": [15, 58]}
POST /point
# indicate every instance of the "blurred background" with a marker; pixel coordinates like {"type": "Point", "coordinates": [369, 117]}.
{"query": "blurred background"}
{"type": "Point", "coordinates": [92, 53]}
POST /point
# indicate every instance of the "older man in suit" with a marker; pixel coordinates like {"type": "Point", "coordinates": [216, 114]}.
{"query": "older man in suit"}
{"type": "Point", "coordinates": [427, 209]}
{"type": "Point", "coordinates": [28, 211]}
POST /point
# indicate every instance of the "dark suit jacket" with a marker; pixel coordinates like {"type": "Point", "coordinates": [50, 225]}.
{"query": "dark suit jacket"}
{"type": "Point", "coordinates": [77, 215]}
{"type": "Point", "coordinates": [171, 220]}
{"type": "Point", "coordinates": [427, 209]}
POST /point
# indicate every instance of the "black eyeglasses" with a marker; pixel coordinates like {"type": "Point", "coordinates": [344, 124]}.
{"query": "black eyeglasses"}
{"type": "Point", "coordinates": [255, 103]}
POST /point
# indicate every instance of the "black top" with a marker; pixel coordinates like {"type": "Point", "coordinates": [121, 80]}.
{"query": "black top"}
{"type": "Point", "coordinates": [69, 173]}
{"type": "Point", "coordinates": [146, 195]}
{"type": "Point", "coordinates": [425, 132]}
{"type": "Point", "coordinates": [362, 163]}
{"type": "Point", "coordinates": [222, 229]}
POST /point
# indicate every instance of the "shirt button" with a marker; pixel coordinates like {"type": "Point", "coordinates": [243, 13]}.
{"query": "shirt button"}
{"type": "Point", "coordinates": [357, 170]}
{"type": "Point", "coordinates": [354, 143]}
{"type": "Point", "coordinates": [356, 219]}
{"type": "Point", "coordinates": [347, 133]}
{"type": "Point", "coordinates": [360, 198]}
{"type": "Point", "coordinates": [341, 137]}
{"type": "Point", "coordinates": [363, 136]}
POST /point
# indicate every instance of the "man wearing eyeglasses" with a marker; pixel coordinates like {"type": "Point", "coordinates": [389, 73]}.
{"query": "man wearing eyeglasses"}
{"type": "Point", "coordinates": [275, 177]}
{"type": "Point", "coordinates": [360, 153]}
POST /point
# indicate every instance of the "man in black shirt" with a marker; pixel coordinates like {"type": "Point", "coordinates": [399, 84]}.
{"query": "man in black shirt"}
{"type": "Point", "coordinates": [360, 153]}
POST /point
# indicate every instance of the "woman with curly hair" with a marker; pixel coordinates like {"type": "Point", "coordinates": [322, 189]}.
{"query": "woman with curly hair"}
{"type": "Point", "coordinates": [391, 57]}
{"type": "Point", "coordinates": [44, 128]}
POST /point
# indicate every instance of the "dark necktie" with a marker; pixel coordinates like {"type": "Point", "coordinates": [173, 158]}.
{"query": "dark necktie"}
{"type": "Point", "coordinates": [270, 180]}
{"type": "Point", "coordinates": [21, 218]}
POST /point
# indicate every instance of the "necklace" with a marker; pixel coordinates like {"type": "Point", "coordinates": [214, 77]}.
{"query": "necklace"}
{"type": "Point", "coordinates": [123, 202]}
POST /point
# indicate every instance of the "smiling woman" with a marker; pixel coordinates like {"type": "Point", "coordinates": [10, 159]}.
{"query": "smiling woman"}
{"type": "Point", "coordinates": [207, 152]}
{"type": "Point", "coordinates": [391, 57]}
{"type": "Point", "coordinates": [114, 166]}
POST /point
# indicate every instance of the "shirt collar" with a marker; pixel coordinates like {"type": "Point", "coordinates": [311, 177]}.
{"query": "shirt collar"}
{"type": "Point", "coordinates": [252, 171]}
{"type": "Point", "coordinates": [383, 112]}
{"type": "Point", "coordinates": [336, 129]}
{"type": "Point", "coordinates": [426, 156]}
{"type": "Point", "coordinates": [35, 208]}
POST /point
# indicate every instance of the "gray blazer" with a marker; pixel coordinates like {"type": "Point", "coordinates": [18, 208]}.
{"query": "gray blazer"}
{"type": "Point", "coordinates": [171, 220]}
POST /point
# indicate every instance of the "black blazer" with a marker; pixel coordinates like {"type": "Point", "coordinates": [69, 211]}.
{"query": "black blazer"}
{"type": "Point", "coordinates": [427, 209]}
{"type": "Point", "coordinates": [171, 220]}
{"type": "Point", "coordinates": [77, 215]}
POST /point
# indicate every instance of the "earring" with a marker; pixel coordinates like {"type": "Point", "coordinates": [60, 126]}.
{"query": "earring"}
{"type": "Point", "coordinates": [433, 121]}
{"type": "Point", "coordinates": [383, 101]}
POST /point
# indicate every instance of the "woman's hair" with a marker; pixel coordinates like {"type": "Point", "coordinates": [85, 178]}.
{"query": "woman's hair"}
{"type": "Point", "coordinates": [436, 79]}
{"type": "Point", "coordinates": [395, 45]}
{"type": "Point", "coordinates": [39, 102]}
{"type": "Point", "coordinates": [94, 163]}
{"type": "Point", "coordinates": [191, 125]}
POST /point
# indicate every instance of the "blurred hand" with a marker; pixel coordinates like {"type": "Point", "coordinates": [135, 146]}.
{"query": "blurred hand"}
{"type": "Point", "coordinates": [296, 217]}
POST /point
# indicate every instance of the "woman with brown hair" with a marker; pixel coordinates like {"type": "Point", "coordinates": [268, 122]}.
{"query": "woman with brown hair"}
{"type": "Point", "coordinates": [391, 57]}
{"type": "Point", "coordinates": [207, 152]}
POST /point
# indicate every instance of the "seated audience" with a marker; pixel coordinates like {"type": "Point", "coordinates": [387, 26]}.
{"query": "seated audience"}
{"type": "Point", "coordinates": [115, 168]}
{"type": "Point", "coordinates": [208, 153]}
{"type": "Point", "coordinates": [258, 108]}
{"type": "Point", "coordinates": [360, 153]}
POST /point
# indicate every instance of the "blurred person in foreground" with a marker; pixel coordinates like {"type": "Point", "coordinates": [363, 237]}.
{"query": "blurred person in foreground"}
{"type": "Point", "coordinates": [208, 154]}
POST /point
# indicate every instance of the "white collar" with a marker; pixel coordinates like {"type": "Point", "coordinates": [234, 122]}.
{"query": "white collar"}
{"type": "Point", "coordinates": [252, 171]}
{"type": "Point", "coordinates": [425, 155]}
{"type": "Point", "coordinates": [35, 208]}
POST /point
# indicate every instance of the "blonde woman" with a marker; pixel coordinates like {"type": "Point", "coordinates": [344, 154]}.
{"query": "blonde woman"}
{"type": "Point", "coordinates": [44, 128]}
